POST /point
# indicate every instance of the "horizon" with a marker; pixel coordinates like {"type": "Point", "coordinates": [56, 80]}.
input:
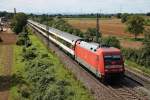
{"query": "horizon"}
{"type": "Point", "coordinates": [72, 13]}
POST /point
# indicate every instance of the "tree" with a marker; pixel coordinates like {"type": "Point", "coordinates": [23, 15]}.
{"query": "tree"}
{"type": "Point", "coordinates": [135, 25]}
{"type": "Point", "coordinates": [111, 41]}
{"type": "Point", "coordinates": [118, 15]}
{"type": "Point", "coordinates": [18, 22]}
{"type": "Point", "coordinates": [90, 34]}
{"type": "Point", "coordinates": [124, 17]}
{"type": "Point", "coordinates": [148, 14]}
{"type": "Point", "coordinates": [2, 14]}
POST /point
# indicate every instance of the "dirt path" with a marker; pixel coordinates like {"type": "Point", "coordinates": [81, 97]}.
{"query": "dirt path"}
{"type": "Point", "coordinates": [6, 60]}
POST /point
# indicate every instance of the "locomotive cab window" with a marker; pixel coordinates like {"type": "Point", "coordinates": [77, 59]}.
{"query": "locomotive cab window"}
{"type": "Point", "coordinates": [112, 60]}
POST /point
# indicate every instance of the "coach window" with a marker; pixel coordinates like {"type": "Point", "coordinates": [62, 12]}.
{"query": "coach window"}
{"type": "Point", "coordinates": [61, 40]}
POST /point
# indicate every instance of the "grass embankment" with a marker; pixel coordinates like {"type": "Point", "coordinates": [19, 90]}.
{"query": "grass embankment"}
{"type": "Point", "coordinates": [141, 69]}
{"type": "Point", "coordinates": [78, 90]}
{"type": "Point", "coordinates": [18, 67]}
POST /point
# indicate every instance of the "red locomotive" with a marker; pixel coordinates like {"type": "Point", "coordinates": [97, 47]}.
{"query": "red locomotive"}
{"type": "Point", "coordinates": [101, 60]}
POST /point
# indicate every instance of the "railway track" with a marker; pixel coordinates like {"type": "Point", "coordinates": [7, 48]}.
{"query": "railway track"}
{"type": "Point", "coordinates": [139, 78]}
{"type": "Point", "coordinates": [119, 91]}
{"type": "Point", "coordinates": [125, 90]}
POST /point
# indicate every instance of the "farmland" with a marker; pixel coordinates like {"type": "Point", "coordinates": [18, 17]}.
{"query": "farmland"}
{"type": "Point", "coordinates": [108, 27]}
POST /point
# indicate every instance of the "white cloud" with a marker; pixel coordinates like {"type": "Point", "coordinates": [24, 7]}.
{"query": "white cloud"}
{"type": "Point", "coordinates": [72, 6]}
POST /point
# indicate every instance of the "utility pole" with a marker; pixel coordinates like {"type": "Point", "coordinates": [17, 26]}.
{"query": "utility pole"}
{"type": "Point", "coordinates": [97, 27]}
{"type": "Point", "coordinates": [15, 11]}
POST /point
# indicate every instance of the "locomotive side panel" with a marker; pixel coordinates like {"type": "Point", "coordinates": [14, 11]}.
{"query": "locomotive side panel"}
{"type": "Point", "coordinates": [88, 59]}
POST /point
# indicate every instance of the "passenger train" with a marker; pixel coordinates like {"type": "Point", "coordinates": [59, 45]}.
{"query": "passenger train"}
{"type": "Point", "coordinates": [102, 61]}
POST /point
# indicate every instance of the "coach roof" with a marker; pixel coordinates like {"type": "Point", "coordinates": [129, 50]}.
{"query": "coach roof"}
{"type": "Point", "coordinates": [63, 35]}
{"type": "Point", "coordinates": [66, 35]}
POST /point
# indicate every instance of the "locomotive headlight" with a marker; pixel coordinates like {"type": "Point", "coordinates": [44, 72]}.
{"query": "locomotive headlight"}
{"type": "Point", "coordinates": [107, 66]}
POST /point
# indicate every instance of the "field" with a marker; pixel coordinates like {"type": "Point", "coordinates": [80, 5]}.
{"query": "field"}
{"type": "Point", "coordinates": [108, 27]}
{"type": "Point", "coordinates": [6, 62]}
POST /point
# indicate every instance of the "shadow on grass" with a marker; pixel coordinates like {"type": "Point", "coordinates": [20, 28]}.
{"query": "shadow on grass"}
{"type": "Point", "coordinates": [137, 39]}
{"type": "Point", "coordinates": [6, 82]}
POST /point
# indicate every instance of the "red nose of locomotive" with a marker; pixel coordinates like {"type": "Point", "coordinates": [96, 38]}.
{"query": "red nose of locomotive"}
{"type": "Point", "coordinates": [113, 62]}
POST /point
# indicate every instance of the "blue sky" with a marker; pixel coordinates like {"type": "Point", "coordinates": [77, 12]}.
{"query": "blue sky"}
{"type": "Point", "coordinates": [76, 6]}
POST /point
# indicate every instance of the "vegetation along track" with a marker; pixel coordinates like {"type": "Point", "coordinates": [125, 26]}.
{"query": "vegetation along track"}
{"type": "Point", "coordinates": [100, 91]}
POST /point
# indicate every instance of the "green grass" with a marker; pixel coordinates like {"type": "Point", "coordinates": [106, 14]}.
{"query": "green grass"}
{"type": "Point", "coordinates": [133, 39]}
{"type": "Point", "coordinates": [138, 68]}
{"type": "Point", "coordinates": [61, 73]}
{"type": "Point", "coordinates": [17, 67]}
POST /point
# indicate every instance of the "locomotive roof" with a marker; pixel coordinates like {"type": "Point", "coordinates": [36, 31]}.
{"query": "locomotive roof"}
{"type": "Point", "coordinates": [89, 45]}
{"type": "Point", "coordinates": [95, 46]}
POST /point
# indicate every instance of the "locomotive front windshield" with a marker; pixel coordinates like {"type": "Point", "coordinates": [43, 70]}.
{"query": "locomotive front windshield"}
{"type": "Point", "coordinates": [112, 60]}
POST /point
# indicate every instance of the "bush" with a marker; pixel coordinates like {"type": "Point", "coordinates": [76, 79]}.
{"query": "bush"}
{"type": "Point", "coordinates": [25, 91]}
{"type": "Point", "coordinates": [29, 53]}
{"type": "Point", "coordinates": [140, 56]}
{"type": "Point", "coordinates": [111, 41]}
{"type": "Point", "coordinates": [23, 40]}
{"type": "Point", "coordinates": [40, 73]}
{"type": "Point", "coordinates": [146, 41]}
